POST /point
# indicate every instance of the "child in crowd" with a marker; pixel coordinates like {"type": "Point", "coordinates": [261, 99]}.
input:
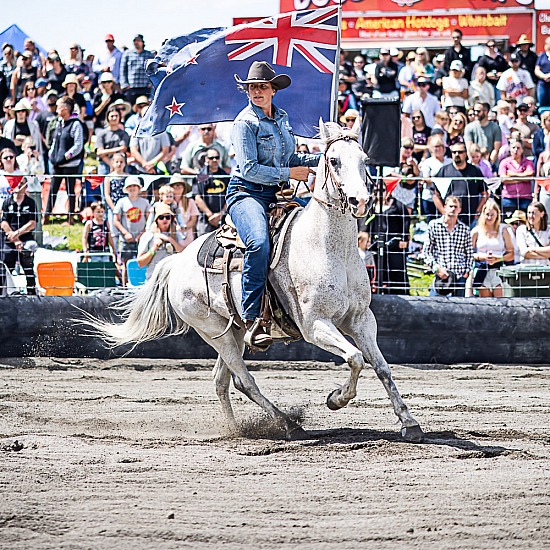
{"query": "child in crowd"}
{"type": "Point", "coordinates": [97, 236]}
{"type": "Point", "coordinates": [113, 190]}
{"type": "Point", "coordinates": [131, 214]}
{"type": "Point", "coordinates": [476, 158]}
{"type": "Point", "coordinates": [166, 196]}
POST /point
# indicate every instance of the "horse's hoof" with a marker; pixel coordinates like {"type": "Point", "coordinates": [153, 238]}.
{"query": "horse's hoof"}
{"type": "Point", "coordinates": [331, 403]}
{"type": "Point", "coordinates": [297, 433]}
{"type": "Point", "coordinates": [412, 434]}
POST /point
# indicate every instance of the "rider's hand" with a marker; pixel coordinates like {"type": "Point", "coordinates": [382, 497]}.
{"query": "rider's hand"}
{"type": "Point", "coordinates": [299, 173]}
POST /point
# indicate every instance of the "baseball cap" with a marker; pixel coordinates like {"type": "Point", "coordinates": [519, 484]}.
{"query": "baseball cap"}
{"type": "Point", "coordinates": [109, 37]}
{"type": "Point", "coordinates": [514, 57]}
{"type": "Point", "coordinates": [138, 37]}
{"type": "Point", "coordinates": [384, 51]}
{"type": "Point", "coordinates": [456, 65]}
{"type": "Point", "coordinates": [26, 53]}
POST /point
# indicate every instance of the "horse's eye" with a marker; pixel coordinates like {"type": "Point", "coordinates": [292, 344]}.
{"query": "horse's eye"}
{"type": "Point", "coordinates": [335, 162]}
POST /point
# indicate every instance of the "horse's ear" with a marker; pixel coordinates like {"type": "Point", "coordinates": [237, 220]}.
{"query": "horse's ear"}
{"type": "Point", "coordinates": [356, 129]}
{"type": "Point", "coordinates": [323, 130]}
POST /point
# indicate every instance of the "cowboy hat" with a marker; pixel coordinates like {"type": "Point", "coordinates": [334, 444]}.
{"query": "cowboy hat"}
{"type": "Point", "coordinates": [178, 179]}
{"type": "Point", "coordinates": [141, 100]}
{"type": "Point", "coordinates": [22, 105]}
{"type": "Point", "coordinates": [523, 40]}
{"type": "Point", "coordinates": [70, 79]}
{"type": "Point", "coordinates": [261, 71]}
{"type": "Point", "coordinates": [122, 105]}
{"type": "Point", "coordinates": [517, 216]}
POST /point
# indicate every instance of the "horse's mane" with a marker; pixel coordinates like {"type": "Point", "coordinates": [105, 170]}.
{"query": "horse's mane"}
{"type": "Point", "coordinates": [335, 131]}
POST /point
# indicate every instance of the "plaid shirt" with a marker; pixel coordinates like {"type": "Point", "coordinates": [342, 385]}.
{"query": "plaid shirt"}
{"type": "Point", "coordinates": [452, 251]}
{"type": "Point", "coordinates": [132, 69]}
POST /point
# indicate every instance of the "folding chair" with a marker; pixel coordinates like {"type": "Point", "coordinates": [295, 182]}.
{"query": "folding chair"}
{"type": "Point", "coordinates": [94, 275]}
{"type": "Point", "coordinates": [56, 278]}
{"type": "Point", "coordinates": [136, 274]}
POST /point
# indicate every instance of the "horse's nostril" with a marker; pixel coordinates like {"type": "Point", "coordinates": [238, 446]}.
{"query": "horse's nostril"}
{"type": "Point", "coordinates": [353, 201]}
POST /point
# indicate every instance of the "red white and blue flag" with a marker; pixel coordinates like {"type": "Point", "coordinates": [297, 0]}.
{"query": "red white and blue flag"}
{"type": "Point", "coordinates": [199, 87]}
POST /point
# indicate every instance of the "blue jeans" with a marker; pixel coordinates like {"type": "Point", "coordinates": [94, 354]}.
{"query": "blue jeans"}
{"type": "Point", "coordinates": [543, 93]}
{"type": "Point", "coordinates": [247, 205]}
{"type": "Point", "coordinates": [509, 205]}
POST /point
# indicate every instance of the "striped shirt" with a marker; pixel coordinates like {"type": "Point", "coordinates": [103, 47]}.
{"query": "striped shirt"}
{"type": "Point", "coordinates": [451, 250]}
{"type": "Point", "coordinates": [132, 69]}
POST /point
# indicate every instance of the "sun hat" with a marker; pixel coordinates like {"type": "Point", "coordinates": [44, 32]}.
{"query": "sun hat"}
{"type": "Point", "coordinates": [350, 113]}
{"type": "Point", "coordinates": [27, 53]}
{"type": "Point", "coordinates": [517, 216]}
{"type": "Point", "coordinates": [22, 105]}
{"type": "Point", "coordinates": [456, 65]}
{"type": "Point", "coordinates": [141, 100]}
{"type": "Point", "coordinates": [162, 209]}
{"type": "Point", "coordinates": [106, 77]}
{"type": "Point", "coordinates": [261, 71]}
{"type": "Point", "coordinates": [178, 179]}
{"type": "Point", "coordinates": [70, 79]}
{"type": "Point", "coordinates": [132, 180]}
{"type": "Point", "coordinates": [120, 104]}
{"type": "Point", "coordinates": [523, 40]}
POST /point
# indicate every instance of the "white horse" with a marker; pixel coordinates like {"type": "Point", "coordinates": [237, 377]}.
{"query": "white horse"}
{"type": "Point", "coordinates": [319, 272]}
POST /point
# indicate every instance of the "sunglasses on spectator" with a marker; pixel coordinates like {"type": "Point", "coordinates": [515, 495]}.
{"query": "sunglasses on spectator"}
{"type": "Point", "coordinates": [164, 217]}
{"type": "Point", "coordinates": [209, 129]}
{"type": "Point", "coordinates": [9, 157]}
{"type": "Point", "coordinates": [476, 111]}
{"type": "Point", "coordinates": [461, 152]}
{"type": "Point", "coordinates": [417, 118]}
{"type": "Point", "coordinates": [408, 147]}
{"type": "Point", "coordinates": [423, 84]}
{"type": "Point", "coordinates": [523, 110]}
{"type": "Point", "coordinates": [214, 158]}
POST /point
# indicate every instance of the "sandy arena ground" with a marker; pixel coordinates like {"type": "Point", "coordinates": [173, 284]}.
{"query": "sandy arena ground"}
{"type": "Point", "coordinates": [120, 455]}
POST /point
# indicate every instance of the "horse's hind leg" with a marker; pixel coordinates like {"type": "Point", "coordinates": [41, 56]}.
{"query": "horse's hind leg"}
{"type": "Point", "coordinates": [222, 380]}
{"type": "Point", "coordinates": [231, 353]}
{"type": "Point", "coordinates": [364, 334]}
{"type": "Point", "coordinates": [326, 336]}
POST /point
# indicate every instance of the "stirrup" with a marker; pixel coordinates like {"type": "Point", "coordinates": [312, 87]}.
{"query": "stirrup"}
{"type": "Point", "coordinates": [257, 336]}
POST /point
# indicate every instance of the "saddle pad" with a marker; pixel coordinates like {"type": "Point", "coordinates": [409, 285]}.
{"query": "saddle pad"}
{"type": "Point", "coordinates": [212, 253]}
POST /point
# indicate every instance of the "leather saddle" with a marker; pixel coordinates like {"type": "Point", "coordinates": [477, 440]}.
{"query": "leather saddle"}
{"type": "Point", "coordinates": [223, 252]}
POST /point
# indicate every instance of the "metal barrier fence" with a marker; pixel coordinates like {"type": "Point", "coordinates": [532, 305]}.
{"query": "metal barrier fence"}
{"type": "Point", "coordinates": [395, 235]}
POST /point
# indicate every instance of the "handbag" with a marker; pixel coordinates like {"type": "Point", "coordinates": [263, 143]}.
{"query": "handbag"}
{"type": "Point", "coordinates": [444, 287]}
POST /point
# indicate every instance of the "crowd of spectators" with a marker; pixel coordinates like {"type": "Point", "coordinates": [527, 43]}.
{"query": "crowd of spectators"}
{"type": "Point", "coordinates": [464, 122]}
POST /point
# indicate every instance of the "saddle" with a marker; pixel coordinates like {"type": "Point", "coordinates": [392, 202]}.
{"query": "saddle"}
{"type": "Point", "coordinates": [223, 252]}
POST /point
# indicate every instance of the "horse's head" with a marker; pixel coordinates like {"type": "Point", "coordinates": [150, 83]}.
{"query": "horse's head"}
{"type": "Point", "coordinates": [345, 168]}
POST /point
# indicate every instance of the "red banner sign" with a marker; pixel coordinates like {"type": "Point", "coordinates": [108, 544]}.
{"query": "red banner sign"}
{"type": "Point", "coordinates": [404, 5]}
{"type": "Point", "coordinates": [410, 27]}
{"type": "Point", "coordinates": [543, 28]}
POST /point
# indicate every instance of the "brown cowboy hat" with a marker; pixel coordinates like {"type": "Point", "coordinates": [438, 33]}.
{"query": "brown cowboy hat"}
{"type": "Point", "coordinates": [523, 40]}
{"type": "Point", "coordinates": [261, 71]}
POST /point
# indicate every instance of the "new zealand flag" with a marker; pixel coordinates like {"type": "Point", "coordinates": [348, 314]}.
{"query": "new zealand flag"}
{"type": "Point", "coordinates": [198, 86]}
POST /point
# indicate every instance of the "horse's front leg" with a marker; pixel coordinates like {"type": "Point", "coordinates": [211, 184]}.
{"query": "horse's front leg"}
{"type": "Point", "coordinates": [363, 331]}
{"type": "Point", "coordinates": [222, 380]}
{"type": "Point", "coordinates": [325, 335]}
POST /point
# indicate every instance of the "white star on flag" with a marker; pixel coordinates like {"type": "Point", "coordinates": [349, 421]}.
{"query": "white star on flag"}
{"type": "Point", "coordinates": [175, 107]}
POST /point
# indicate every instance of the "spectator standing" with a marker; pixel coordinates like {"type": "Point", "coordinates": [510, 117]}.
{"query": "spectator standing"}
{"type": "Point", "coordinates": [448, 251]}
{"type": "Point", "coordinates": [7, 107]}
{"type": "Point", "coordinates": [110, 141]}
{"type": "Point", "coordinates": [515, 172]}
{"type": "Point", "coordinates": [75, 63]}
{"type": "Point", "coordinates": [467, 184]}
{"type": "Point", "coordinates": [484, 132]}
{"type": "Point", "coordinates": [457, 52]}
{"type": "Point", "coordinates": [407, 75]}
{"type": "Point", "coordinates": [97, 237]}
{"type": "Point", "coordinates": [134, 81]}
{"type": "Point", "coordinates": [43, 120]}
{"type": "Point", "coordinates": [436, 87]}
{"type": "Point", "coordinates": [534, 238]}
{"type": "Point", "coordinates": [109, 60]}
{"type": "Point", "coordinates": [71, 90]}
{"type": "Point", "coordinates": [190, 162]}
{"type": "Point", "coordinates": [527, 57]}
{"type": "Point", "coordinates": [19, 216]}
{"type": "Point", "coordinates": [542, 71]}
{"type": "Point", "coordinates": [20, 127]}
{"type": "Point", "coordinates": [493, 246]}
{"type": "Point", "coordinates": [66, 154]}
{"type": "Point", "coordinates": [512, 224]}
{"type": "Point", "coordinates": [345, 71]}
{"type": "Point", "coordinates": [422, 101]}
{"type": "Point", "coordinates": [113, 190]}
{"type": "Point", "coordinates": [36, 103]}
{"type": "Point", "coordinates": [505, 119]}
{"type": "Point", "coordinates": [104, 98]}
{"type": "Point", "coordinates": [4, 87]}
{"type": "Point", "coordinates": [56, 74]}
{"type": "Point", "coordinates": [421, 133]}
{"type": "Point", "coordinates": [162, 240]}
{"type": "Point", "coordinates": [8, 62]}
{"type": "Point", "coordinates": [386, 77]}
{"type": "Point", "coordinates": [455, 87]}
{"type": "Point", "coordinates": [456, 129]}
{"type": "Point", "coordinates": [429, 167]}
{"type": "Point", "coordinates": [422, 65]}
{"type": "Point", "coordinates": [493, 62]}
{"type": "Point", "coordinates": [480, 90]}
{"type": "Point", "coordinates": [209, 188]}
{"type": "Point", "coordinates": [22, 74]}
{"type": "Point", "coordinates": [405, 191]}
{"type": "Point", "coordinates": [131, 214]}
{"type": "Point", "coordinates": [140, 107]}
{"type": "Point", "coordinates": [526, 128]}
{"type": "Point", "coordinates": [363, 86]}
{"type": "Point", "coordinates": [515, 83]}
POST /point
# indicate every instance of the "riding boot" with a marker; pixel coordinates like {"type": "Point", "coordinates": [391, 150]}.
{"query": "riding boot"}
{"type": "Point", "coordinates": [258, 336]}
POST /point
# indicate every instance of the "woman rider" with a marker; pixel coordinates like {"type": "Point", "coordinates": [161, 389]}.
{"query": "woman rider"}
{"type": "Point", "coordinates": [264, 148]}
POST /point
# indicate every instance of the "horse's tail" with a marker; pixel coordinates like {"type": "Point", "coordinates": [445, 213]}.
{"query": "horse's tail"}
{"type": "Point", "coordinates": [147, 314]}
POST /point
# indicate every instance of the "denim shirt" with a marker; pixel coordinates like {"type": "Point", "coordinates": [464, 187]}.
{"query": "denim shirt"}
{"type": "Point", "coordinates": [265, 147]}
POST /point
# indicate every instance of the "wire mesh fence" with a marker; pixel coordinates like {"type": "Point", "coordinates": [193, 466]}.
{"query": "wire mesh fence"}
{"type": "Point", "coordinates": [87, 232]}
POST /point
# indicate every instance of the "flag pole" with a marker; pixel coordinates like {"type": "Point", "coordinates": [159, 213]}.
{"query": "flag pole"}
{"type": "Point", "coordinates": [336, 76]}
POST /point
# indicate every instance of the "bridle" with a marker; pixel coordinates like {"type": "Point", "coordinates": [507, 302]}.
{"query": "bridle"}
{"type": "Point", "coordinates": [343, 202]}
